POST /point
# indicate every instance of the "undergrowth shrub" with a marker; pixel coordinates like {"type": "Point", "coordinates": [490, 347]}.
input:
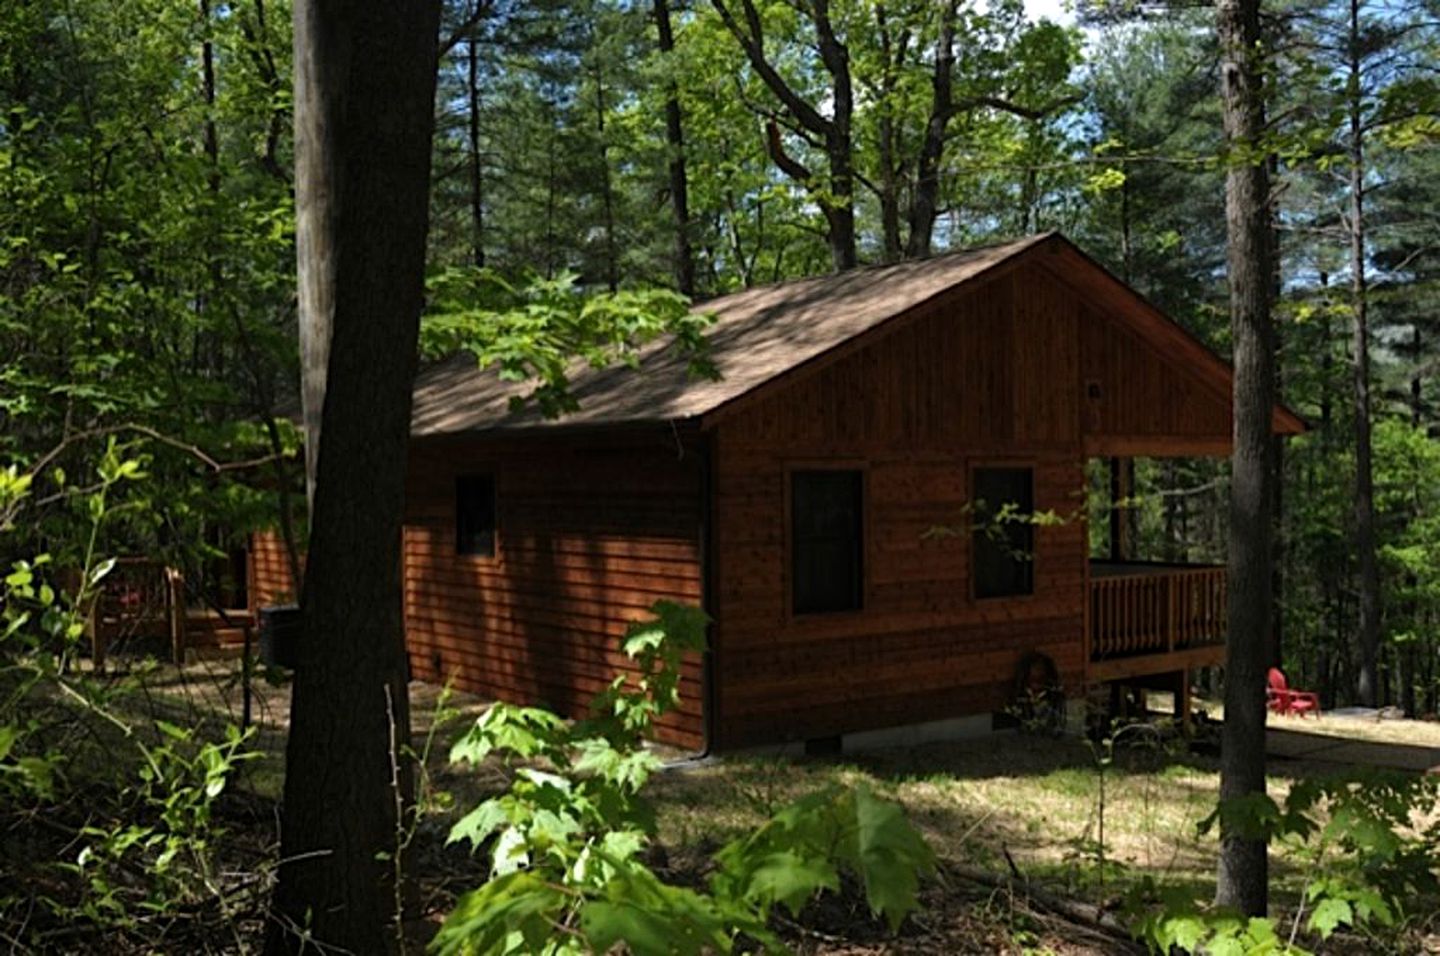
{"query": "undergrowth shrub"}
{"type": "Point", "coordinates": [567, 839]}
{"type": "Point", "coordinates": [1370, 847]}
{"type": "Point", "coordinates": [108, 817]}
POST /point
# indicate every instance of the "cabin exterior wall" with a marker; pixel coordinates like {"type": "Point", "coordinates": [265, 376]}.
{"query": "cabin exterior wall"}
{"type": "Point", "coordinates": [987, 377]}
{"type": "Point", "coordinates": [591, 531]}
{"type": "Point", "coordinates": [269, 580]}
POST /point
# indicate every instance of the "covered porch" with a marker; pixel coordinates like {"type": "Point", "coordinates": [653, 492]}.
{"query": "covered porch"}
{"type": "Point", "coordinates": [1147, 617]}
{"type": "Point", "coordinates": [1148, 623]}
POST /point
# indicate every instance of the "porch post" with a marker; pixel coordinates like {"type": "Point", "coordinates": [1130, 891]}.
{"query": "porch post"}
{"type": "Point", "coordinates": [1182, 699]}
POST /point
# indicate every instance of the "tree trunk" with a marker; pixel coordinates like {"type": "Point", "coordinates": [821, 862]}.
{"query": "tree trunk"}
{"type": "Point", "coordinates": [837, 202]}
{"type": "Point", "coordinates": [1277, 452]}
{"type": "Point", "coordinates": [1409, 655]}
{"type": "Point", "coordinates": [1367, 684]}
{"type": "Point", "coordinates": [885, 133]}
{"type": "Point", "coordinates": [679, 179]}
{"type": "Point", "coordinates": [476, 160]}
{"type": "Point", "coordinates": [1242, 879]}
{"type": "Point", "coordinates": [364, 104]}
{"type": "Point", "coordinates": [607, 186]}
{"type": "Point", "coordinates": [925, 198]}
{"type": "Point", "coordinates": [839, 205]}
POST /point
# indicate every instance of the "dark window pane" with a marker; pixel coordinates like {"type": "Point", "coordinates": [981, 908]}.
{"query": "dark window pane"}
{"type": "Point", "coordinates": [1004, 537]}
{"type": "Point", "coordinates": [475, 515]}
{"type": "Point", "coordinates": [826, 540]}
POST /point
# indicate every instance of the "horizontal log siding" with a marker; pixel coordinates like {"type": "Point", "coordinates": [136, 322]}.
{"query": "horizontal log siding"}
{"type": "Point", "coordinates": [989, 377]}
{"type": "Point", "coordinates": [270, 581]}
{"type": "Point", "coordinates": [591, 532]}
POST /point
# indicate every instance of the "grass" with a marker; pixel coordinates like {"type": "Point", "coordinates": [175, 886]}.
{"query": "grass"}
{"type": "Point", "coordinates": [1002, 803]}
{"type": "Point", "coordinates": [988, 802]}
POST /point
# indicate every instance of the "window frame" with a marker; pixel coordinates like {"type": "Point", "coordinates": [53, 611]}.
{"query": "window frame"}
{"type": "Point", "coordinates": [862, 469]}
{"type": "Point", "coordinates": [479, 556]}
{"type": "Point", "coordinates": [1004, 464]}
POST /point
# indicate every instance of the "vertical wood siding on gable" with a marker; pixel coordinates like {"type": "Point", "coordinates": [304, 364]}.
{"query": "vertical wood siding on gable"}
{"type": "Point", "coordinates": [992, 376]}
{"type": "Point", "coordinates": [1142, 396]}
{"type": "Point", "coordinates": [591, 532]}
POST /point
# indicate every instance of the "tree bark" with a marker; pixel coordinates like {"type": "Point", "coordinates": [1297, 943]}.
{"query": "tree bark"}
{"type": "Point", "coordinates": [1242, 878]}
{"type": "Point", "coordinates": [679, 178]}
{"type": "Point", "coordinates": [364, 101]}
{"type": "Point", "coordinates": [1367, 682]}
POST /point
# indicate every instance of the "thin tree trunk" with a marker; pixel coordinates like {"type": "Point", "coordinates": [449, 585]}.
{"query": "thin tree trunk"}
{"type": "Point", "coordinates": [1169, 507]}
{"type": "Point", "coordinates": [551, 189]}
{"type": "Point", "coordinates": [886, 135]}
{"type": "Point", "coordinates": [837, 200]}
{"type": "Point", "coordinates": [839, 205]}
{"type": "Point", "coordinates": [1409, 656]}
{"type": "Point", "coordinates": [1127, 247]}
{"type": "Point", "coordinates": [214, 354]}
{"type": "Point", "coordinates": [1277, 452]}
{"type": "Point", "coordinates": [679, 179]}
{"type": "Point", "coordinates": [607, 186]}
{"type": "Point", "coordinates": [364, 105]}
{"type": "Point", "coordinates": [1367, 685]}
{"type": "Point", "coordinates": [476, 159]}
{"type": "Point", "coordinates": [1242, 878]}
{"type": "Point", "coordinates": [925, 198]}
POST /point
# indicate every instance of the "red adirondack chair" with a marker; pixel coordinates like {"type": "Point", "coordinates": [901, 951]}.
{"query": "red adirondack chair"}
{"type": "Point", "coordinates": [1283, 700]}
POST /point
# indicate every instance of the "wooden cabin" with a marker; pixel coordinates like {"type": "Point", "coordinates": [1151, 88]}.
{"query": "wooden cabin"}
{"type": "Point", "coordinates": [797, 498]}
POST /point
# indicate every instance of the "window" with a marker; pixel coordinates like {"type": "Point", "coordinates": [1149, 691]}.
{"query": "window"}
{"type": "Point", "coordinates": [1004, 536]}
{"type": "Point", "coordinates": [475, 515]}
{"type": "Point", "coordinates": [826, 541]}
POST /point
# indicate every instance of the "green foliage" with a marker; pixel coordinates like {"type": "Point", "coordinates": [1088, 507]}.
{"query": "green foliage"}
{"type": "Point", "coordinates": [143, 845]}
{"type": "Point", "coordinates": [566, 840]}
{"type": "Point", "coordinates": [166, 831]}
{"type": "Point", "coordinates": [1370, 845]}
{"type": "Point", "coordinates": [534, 331]}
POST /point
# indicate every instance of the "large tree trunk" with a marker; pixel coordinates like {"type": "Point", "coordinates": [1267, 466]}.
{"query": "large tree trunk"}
{"type": "Point", "coordinates": [679, 179]}
{"type": "Point", "coordinates": [1367, 684]}
{"type": "Point", "coordinates": [1242, 879]}
{"type": "Point", "coordinates": [364, 97]}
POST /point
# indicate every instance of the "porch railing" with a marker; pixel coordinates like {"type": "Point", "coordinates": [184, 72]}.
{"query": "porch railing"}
{"type": "Point", "coordinates": [1139, 609]}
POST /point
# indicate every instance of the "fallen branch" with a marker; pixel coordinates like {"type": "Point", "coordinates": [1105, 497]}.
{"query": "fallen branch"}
{"type": "Point", "coordinates": [1093, 918]}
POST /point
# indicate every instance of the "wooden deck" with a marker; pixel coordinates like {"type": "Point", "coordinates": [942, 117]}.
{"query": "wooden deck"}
{"type": "Point", "coordinates": [1147, 618]}
{"type": "Point", "coordinates": [144, 599]}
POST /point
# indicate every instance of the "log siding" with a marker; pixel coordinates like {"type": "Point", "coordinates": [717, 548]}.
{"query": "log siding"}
{"type": "Point", "coordinates": [590, 532]}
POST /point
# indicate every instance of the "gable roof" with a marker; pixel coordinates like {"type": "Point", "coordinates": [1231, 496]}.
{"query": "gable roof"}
{"type": "Point", "coordinates": [762, 333]}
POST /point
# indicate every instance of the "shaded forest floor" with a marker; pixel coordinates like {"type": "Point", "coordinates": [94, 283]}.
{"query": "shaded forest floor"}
{"type": "Point", "coordinates": [1038, 843]}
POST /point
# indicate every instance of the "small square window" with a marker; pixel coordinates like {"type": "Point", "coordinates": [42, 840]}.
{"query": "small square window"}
{"type": "Point", "coordinates": [827, 541]}
{"type": "Point", "coordinates": [475, 515]}
{"type": "Point", "coordinates": [1004, 535]}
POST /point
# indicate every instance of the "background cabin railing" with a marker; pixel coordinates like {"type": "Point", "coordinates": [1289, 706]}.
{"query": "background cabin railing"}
{"type": "Point", "coordinates": [1154, 609]}
{"type": "Point", "coordinates": [145, 598]}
